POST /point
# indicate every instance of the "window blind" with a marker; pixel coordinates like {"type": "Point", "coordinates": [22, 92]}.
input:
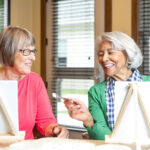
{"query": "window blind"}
{"type": "Point", "coordinates": [144, 34]}
{"type": "Point", "coordinates": [73, 53]}
{"type": "Point", "coordinates": [4, 13]}
{"type": "Point", "coordinates": [74, 33]}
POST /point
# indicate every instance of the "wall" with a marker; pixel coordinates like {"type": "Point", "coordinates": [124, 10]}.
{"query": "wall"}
{"type": "Point", "coordinates": [26, 13]}
{"type": "Point", "coordinates": [121, 16]}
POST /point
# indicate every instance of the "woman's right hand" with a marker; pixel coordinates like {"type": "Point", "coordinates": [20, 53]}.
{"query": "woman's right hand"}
{"type": "Point", "coordinates": [78, 110]}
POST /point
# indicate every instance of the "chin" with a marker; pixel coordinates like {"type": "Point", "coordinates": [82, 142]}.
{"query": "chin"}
{"type": "Point", "coordinates": [109, 74]}
{"type": "Point", "coordinates": [27, 72]}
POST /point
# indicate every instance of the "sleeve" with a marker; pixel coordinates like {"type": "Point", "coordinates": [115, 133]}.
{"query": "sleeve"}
{"type": "Point", "coordinates": [100, 127]}
{"type": "Point", "coordinates": [44, 115]}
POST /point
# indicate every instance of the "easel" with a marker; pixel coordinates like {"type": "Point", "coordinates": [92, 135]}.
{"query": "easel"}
{"type": "Point", "coordinates": [14, 136]}
{"type": "Point", "coordinates": [138, 142]}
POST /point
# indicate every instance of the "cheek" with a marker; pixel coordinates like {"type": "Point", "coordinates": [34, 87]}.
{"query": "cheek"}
{"type": "Point", "coordinates": [99, 60]}
{"type": "Point", "coordinates": [18, 61]}
{"type": "Point", "coordinates": [19, 58]}
{"type": "Point", "coordinates": [121, 61]}
{"type": "Point", "coordinates": [118, 58]}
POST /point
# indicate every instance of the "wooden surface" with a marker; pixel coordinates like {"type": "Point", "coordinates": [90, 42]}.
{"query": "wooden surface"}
{"type": "Point", "coordinates": [57, 140]}
{"type": "Point", "coordinates": [7, 139]}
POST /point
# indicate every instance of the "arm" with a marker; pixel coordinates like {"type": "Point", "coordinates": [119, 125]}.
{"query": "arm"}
{"type": "Point", "coordinates": [56, 131]}
{"type": "Point", "coordinates": [45, 120]}
{"type": "Point", "coordinates": [94, 119]}
{"type": "Point", "coordinates": [97, 108]}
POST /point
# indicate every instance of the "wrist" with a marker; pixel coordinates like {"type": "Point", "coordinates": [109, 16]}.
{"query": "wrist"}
{"type": "Point", "coordinates": [89, 122]}
{"type": "Point", "coordinates": [49, 131]}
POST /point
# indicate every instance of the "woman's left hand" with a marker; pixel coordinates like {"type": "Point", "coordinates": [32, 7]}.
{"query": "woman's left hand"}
{"type": "Point", "coordinates": [61, 132]}
{"type": "Point", "coordinates": [54, 130]}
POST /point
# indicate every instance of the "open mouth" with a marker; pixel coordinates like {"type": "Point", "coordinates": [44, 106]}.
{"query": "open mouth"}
{"type": "Point", "coordinates": [28, 64]}
{"type": "Point", "coordinates": [109, 65]}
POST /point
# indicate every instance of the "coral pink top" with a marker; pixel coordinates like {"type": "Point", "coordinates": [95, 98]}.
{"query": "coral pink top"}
{"type": "Point", "coordinates": [33, 105]}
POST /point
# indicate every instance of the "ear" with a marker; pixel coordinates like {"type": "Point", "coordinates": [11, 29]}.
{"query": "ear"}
{"type": "Point", "coordinates": [127, 59]}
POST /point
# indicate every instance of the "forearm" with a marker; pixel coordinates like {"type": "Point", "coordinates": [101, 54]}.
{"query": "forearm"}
{"type": "Point", "coordinates": [98, 131]}
{"type": "Point", "coordinates": [89, 121]}
{"type": "Point", "coordinates": [49, 130]}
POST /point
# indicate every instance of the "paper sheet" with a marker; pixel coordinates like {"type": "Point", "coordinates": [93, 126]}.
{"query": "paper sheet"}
{"type": "Point", "coordinates": [133, 124]}
{"type": "Point", "coordinates": [9, 96]}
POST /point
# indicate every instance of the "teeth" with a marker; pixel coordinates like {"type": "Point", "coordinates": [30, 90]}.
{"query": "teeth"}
{"type": "Point", "coordinates": [109, 65]}
{"type": "Point", "coordinates": [28, 65]}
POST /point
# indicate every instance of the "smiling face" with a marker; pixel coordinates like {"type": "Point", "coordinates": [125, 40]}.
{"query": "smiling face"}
{"type": "Point", "coordinates": [114, 62]}
{"type": "Point", "coordinates": [23, 64]}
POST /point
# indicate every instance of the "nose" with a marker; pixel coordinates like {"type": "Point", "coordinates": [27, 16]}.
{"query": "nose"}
{"type": "Point", "coordinates": [105, 57]}
{"type": "Point", "coordinates": [32, 56]}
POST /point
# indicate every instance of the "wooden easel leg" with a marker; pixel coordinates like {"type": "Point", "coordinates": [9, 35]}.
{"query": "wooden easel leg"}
{"type": "Point", "coordinates": [123, 108]}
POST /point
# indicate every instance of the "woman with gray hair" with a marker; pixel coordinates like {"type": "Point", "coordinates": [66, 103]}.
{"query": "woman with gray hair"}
{"type": "Point", "coordinates": [119, 57]}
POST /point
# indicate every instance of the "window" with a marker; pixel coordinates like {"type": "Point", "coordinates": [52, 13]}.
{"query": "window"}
{"type": "Point", "coordinates": [4, 13]}
{"type": "Point", "coordinates": [144, 33]}
{"type": "Point", "coordinates": [72, 56]}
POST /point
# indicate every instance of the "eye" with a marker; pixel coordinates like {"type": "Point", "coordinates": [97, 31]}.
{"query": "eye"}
{"type": "Point", "coordinates": [100, 54]}
{"type": "Point", "coordinates": [110, 53]}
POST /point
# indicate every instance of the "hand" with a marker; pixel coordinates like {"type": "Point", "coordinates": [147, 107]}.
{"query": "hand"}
{"type": "Point", "coordinates": [78, 110]}
{"type": "Point", "coordinates": [56, 131]}
{"type": "Point", "coordinates": [61, 132]}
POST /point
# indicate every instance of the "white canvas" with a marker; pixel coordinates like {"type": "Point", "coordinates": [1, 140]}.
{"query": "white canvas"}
{"type": "Point", "coordinates": [9, 96]}
{"type": "Point", "coordinates": [133, 124]}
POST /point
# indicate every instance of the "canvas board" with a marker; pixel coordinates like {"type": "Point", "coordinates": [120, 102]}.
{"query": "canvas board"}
{"type": "Point", "coordinates": [133, 124]}
{"type": "Point", "coordinates": [9, 96]}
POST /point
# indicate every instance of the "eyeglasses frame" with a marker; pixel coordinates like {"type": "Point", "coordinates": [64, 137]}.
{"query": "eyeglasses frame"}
{"type": "Point", "coordinates": [34, 51]}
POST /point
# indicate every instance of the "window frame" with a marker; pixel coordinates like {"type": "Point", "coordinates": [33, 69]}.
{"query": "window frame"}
{"type": "Point", "coordinates": [8, 13]}
{"type": "Point", "coordinates": [58, 73]}
{"type": "Point", "coordinates": [136, 34]}
{"type": "Point", "coordinates": [99, 28]}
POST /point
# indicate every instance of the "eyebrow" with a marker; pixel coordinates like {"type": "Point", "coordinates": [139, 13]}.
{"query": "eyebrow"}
{"type": "Point", "coordinates": [107, 49]}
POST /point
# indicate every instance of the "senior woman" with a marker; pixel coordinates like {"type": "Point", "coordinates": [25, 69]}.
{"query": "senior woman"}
{"type": "Point", "coordinates": [17, 51]}
{"type": "Point", "coordinates": [119, 57]}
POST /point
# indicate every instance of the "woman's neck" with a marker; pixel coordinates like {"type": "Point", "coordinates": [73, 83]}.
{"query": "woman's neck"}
{"type": "Point", "coordinates": [123, 76]}
{"type": "Point", "coordinates": [8, 73]}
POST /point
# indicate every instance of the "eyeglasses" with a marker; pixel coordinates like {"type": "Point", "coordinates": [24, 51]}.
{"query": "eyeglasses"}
{"type": "Point", "coordinates": [27, 52]}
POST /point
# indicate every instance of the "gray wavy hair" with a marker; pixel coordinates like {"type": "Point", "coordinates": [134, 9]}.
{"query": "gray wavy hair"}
{"type": "Point", "coordinates": [123, 42]}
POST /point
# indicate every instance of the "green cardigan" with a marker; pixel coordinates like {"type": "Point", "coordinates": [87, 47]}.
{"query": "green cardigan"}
{"type": "Point", "coordinates": [97, 108]}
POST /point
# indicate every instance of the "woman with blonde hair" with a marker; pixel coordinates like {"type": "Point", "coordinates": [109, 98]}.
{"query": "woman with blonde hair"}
{"type": "Point", "coordinates": [17, 51]}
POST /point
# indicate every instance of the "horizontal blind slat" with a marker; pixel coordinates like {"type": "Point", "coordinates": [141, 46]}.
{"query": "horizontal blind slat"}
{"type": "Point", "coordinates": [73, 48]}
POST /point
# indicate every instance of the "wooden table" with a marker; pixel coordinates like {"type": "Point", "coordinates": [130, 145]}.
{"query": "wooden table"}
{"type": "Point", "coordinates": [57, 140]}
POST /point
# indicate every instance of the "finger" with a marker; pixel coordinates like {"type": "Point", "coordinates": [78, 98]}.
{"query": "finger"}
{"type": "Point", "coordinates": [69, 112]}
{"type": "Point", "coordinates": [68, 104]}
{"type": "Point", "coordinates": [77, 101]}
{"type": "Point", "coordinates": [68, 100]}
{"type": "Point", "coordinates": [74, 108]}
{"type": "Point", "coordinates": [56, 130]}
{"type": "Point", "coordinates": [63, 133]}
{"type": "Point", "coordinates": [72, 100]}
